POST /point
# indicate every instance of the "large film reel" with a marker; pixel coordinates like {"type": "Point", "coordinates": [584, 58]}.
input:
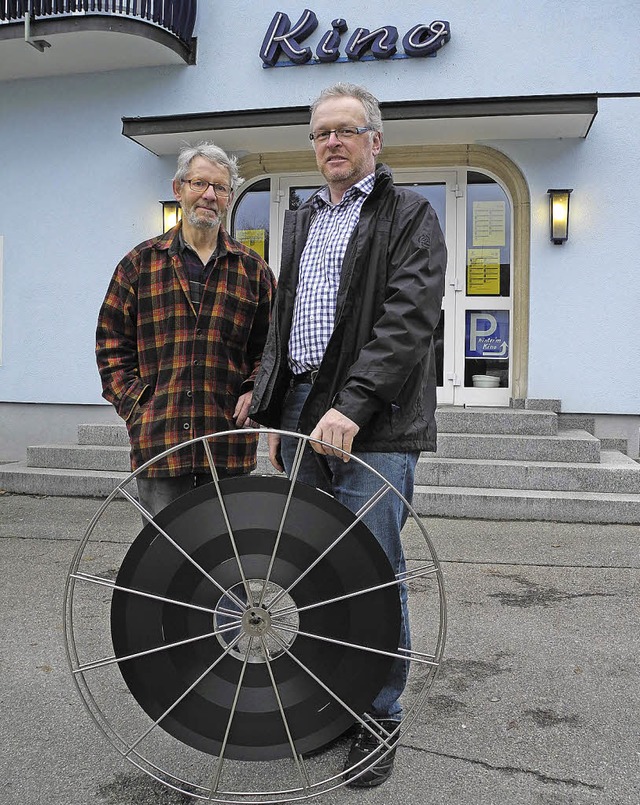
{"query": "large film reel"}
{"type": "Point", "coordinates": [254, 619]}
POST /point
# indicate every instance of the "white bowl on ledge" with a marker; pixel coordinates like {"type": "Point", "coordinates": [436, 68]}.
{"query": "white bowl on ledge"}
{"type": "Point", "coordinates": [485, 381]}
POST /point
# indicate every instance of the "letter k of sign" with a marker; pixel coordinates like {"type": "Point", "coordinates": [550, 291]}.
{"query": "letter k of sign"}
{"type": "Point", "coordinates": [281, 36]}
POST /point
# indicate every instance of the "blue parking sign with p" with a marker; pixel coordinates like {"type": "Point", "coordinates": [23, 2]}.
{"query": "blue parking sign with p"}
{"type": "Point", "coordinates": [487, 334]}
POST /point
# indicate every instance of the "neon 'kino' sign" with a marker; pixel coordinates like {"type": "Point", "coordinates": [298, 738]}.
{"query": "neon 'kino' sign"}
{"type": "Point", "coordinates": [284, 39]}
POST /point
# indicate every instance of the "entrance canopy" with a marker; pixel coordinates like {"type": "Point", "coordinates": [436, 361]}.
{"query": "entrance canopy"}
{"type": "Point", "coordinates": [406, 123]}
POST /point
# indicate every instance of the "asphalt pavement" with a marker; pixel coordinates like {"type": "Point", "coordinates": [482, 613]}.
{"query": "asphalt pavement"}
{"type": "Point", "coordinates": [537, 701]}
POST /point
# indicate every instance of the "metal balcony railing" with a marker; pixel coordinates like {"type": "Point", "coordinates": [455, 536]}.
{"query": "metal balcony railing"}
{"type": "Point", "coordinates": [177, 16]}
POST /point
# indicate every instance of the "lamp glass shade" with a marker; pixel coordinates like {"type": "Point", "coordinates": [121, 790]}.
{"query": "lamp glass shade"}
{"type": "Point", "coordinates": [171, 214]}
{"type": "Point", "coordinates": [559, 214]}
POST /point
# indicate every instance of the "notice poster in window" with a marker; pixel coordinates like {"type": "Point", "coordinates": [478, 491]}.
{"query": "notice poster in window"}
{"type": "Point", "coordinates": [489, 223]}
{"type": "Point", "coordinates": [487, 334]}
{"type": "Point", "coordinates": [483, 272]}
{"type": "Point", "coordinates": [253, 239]}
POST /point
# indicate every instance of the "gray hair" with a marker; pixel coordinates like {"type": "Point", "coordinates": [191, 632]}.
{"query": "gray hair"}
{"type": "Point", "coordinates": [345, 90]}
{"type": "Point", "coordinates": [211, 152]}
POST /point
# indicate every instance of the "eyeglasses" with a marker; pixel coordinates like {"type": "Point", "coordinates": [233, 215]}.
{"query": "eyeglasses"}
{"type": "Point", "coordinates": [345, 133]}
{"type": "Point", "coordinates": [201, 186]}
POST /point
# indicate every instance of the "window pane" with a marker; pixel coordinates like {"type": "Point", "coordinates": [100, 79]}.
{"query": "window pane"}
{"type": "Point", "coordinates": [298, 196]}
{"type": "Point", "coordinates": [488, 238]}
{"type": "Point", "coordinates": [250, 224]}
{"type": "Point", "coordinates": [436, 195]}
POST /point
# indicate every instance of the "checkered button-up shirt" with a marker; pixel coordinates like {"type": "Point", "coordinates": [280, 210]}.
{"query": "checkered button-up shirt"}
{"type": "Point", "coordinates": [319, 279]}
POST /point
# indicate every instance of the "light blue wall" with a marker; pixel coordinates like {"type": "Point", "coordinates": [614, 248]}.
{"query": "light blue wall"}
{"type": "Point", "coordinates": [95, 194]}
{"type": "Point", "coordinates": [497, 47]}
{"type": "Point", "coordinates": [585, 294]}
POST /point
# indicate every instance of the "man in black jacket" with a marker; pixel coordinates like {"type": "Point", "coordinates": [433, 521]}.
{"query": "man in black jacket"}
{"type": "Point", "coordinates": [349, 357]}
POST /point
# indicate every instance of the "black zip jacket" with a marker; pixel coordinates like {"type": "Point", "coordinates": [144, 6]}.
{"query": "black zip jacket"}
{"type": "Point", "coordinates": [379, 365]}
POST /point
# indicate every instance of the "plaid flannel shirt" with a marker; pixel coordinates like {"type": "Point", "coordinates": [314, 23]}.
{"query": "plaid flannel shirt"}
{"type": "Point", "coordinates": [173, 372]}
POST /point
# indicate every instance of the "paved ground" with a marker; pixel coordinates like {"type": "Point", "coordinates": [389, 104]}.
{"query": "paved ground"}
{"type": "Point", "coordinates": [537, 701]}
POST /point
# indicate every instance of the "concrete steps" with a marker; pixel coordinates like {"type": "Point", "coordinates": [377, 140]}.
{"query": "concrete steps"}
{"type": "Point", "coordinates": [569, 445]}
{"type": "Point", "coordinates": [525, 463]}
{"type": "Point", "coordinates": [90, 468]}
{"type": "Point", "coordinates": [614, 473]}
{"type": "Point", "coordinates": [492, 463]}
{"type": "Point", "coordinates": [510, 504]}
{"type": "Point", "coordinates": [79, 457]}
{"type": "Point", "coordinates": [512, 421]}
{"type": "Point", "coordinates": [18, 477]}
{"type": "Point", "coordinates": [107, 435]}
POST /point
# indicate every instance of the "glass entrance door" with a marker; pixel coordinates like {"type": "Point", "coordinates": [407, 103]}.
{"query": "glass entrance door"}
{"type": "Point", "coordinates": [473, 337]}
{"type": "Point", "coordinates": [439, 190]}
{"type": "Point", "coordinates": [483, 291]}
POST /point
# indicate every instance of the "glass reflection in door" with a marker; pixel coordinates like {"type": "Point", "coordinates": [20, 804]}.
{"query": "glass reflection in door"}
{"type": "Point", "coordinates": [250, 222]}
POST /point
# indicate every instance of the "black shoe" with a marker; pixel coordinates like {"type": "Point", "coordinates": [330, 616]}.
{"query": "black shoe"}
{"type": "Point", "coordinates": [363, 749]}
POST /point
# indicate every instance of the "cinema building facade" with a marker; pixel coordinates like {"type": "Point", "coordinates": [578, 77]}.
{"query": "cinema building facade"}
{"type": "Point", "coordinates": [520, 127]}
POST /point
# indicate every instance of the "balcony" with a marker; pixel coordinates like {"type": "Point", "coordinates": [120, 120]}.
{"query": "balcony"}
{"type": "Point", "coordinates": [61, 37]}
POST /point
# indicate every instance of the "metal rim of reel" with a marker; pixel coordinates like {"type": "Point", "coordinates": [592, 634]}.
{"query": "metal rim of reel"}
{"type": "Point", "coordinates": [245, 627]}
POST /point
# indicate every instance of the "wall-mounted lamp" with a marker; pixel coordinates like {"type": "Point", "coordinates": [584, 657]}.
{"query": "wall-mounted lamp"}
{"type": "Point", "coordinates": [559, 214]}
{"type": "Point", "coordinates": [171, 214]}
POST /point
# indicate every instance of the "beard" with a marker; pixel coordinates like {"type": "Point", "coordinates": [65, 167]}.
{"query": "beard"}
{"type": "Point", "coordinates": [348, 172]}
{"type": "Point", "coordinates": [204, 221]}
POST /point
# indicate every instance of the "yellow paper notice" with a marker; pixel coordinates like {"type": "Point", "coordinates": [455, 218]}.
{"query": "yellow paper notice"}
{"type": "Point", "coordinates": [489, 223]}
{"type": "Point", "coordinates": [253, 239]}
{"type": "Point", "coordinates": [483, 272]}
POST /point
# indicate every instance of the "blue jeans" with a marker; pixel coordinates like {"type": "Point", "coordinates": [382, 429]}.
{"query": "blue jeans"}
{"type": "Point", "coordinates": [354, 485]}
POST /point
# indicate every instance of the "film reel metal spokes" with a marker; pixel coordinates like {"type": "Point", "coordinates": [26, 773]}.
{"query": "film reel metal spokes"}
{"type": "Point", "coordinates": [254, 619]}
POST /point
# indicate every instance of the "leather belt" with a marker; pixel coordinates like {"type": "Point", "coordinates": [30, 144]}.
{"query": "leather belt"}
{"type": "Point", "coordinates": [306, 377]}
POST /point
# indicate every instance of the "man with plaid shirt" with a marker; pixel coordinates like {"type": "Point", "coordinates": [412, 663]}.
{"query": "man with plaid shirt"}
{"type": "Point", "coordinates": [349, 359]}
{"type": "Point", "coordinates": [181, 332]}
